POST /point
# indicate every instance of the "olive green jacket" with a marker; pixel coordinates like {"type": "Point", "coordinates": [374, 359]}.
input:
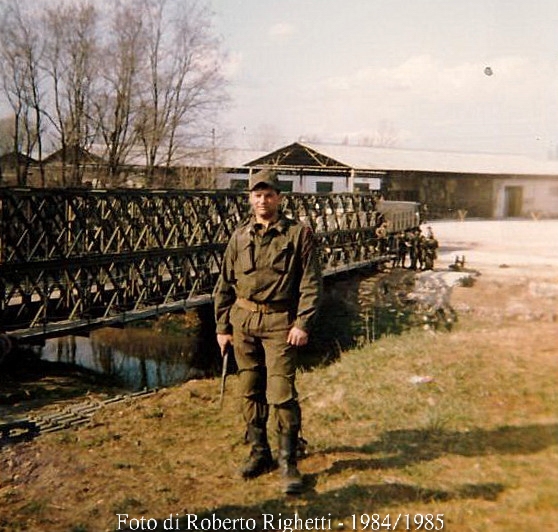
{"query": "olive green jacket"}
{"type": "Point", "coordinates": [280, 266]}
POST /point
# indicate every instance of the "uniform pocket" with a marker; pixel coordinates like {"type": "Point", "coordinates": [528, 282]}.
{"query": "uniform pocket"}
{"type": "Point", "coordinates": [246, 258]}
{"type": "Point", "coordinates": [282, 258]}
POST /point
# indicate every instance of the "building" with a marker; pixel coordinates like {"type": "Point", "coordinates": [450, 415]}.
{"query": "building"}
{"type": "Point", "coordinates": [302, 168]}
{"type": "Point", "coordinates": [449, 184]}
{"type": "Point", "coordinates": [13, 165]}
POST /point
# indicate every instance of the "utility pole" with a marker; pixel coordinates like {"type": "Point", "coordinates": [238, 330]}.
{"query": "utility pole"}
{"type": "Point", "coordinates": [213, 158]}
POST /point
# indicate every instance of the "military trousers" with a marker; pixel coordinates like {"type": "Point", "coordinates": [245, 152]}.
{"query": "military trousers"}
{"type": "Point", "coordinates": [266, 367]}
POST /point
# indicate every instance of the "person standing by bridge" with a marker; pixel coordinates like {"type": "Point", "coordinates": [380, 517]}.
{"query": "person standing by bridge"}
{"type": "Point", "coordinates": [266, 300]}
{"type": "Point", "coordinates": [429, 247]}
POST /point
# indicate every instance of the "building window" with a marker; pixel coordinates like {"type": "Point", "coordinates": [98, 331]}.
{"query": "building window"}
{"type": "Point", "coordinates": [362, 187]}
{"type": "Point", "coordinates": [239, 184]}
{"type": "Point", "coordinates": [324, 186]}
{"type": "Point", "coordinates": [285, 186]}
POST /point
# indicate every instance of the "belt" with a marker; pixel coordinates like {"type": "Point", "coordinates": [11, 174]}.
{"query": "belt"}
{"type": "Point", "coordinates": [264, 308]}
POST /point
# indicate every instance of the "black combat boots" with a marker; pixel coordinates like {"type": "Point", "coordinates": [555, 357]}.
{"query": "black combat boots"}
{"type": "Point", "coordinates": [260, 460]}
{"type": "Point", "coordinates": [292, 479]}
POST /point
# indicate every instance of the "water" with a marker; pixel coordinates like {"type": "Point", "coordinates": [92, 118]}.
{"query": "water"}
{"type": "Point", "coordinates": [152, 354]}
{"type": "Point", "coordinates": [358, 308]}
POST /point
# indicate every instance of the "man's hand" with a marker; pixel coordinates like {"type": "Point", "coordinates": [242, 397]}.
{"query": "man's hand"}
{"type": "Point", "coordinates": [297, 337]}
{"type": "Point", "coordinates": [224, 340]}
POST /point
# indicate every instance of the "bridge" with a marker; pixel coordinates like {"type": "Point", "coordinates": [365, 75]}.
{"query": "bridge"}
{"type": "Point", "coordinates": [75, 260]}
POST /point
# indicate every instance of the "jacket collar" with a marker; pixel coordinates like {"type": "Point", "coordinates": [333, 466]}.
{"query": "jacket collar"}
{"type": "Point", "coordinates": [280, 225]}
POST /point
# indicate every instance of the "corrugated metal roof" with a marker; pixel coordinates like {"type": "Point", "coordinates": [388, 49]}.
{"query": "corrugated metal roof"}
{"type": "Point", "coordinates": [371, 158]}
{"type": "Point", "coordinates": [368, 158]}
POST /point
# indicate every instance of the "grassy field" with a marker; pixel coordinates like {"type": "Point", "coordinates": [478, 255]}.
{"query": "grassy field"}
{"type": "Point", "coordinates": [456, 428]}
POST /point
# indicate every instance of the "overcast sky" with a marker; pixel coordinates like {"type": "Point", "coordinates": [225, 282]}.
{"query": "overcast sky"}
{"type": "Point", "coordinates": [413, 71]}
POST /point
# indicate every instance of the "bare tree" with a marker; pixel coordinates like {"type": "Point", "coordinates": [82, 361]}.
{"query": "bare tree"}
{"type": "Point", "coordinates": [116, 102]}
{"type": "Point", "coordinates": [71, 33]}
{"type": "Point", "coordinates": [185, 85]}
{"type": "Point", "coordinates": [385, 136]}
{"type": "Point", "coordinates": [198, 90]}
{"type": "Point", "coordinates": [144, 74]}
{"type": "Point", "coordinates": [21, 53]}
{"type": "Point", "coordinates": [311, 138]}
{"type": "Point", "coordinates": [266, 137]}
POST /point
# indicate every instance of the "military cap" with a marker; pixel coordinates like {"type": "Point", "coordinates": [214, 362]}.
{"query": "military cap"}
{"type": "Point", "coordinates": [264, 177]}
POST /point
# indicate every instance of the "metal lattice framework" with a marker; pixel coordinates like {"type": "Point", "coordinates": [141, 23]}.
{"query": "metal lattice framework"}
{"type": "Point", "coordinates": [72, 259]}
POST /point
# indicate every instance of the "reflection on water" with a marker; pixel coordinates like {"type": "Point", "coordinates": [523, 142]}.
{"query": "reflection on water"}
{"type": "Point", "coordinates": [358, 309]}
{"type": "Point", "coordinates": [171, 350]}
{"type": "Point", "coordinates": [165, 367]}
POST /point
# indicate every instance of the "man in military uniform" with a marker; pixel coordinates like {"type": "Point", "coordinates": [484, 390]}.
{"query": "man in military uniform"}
{"type": "Point", "coordinates": [400, 247]}
{"type": "Point", "coordinates": [266, 300]}
{"type": "Point", "coordinates": [381, 235]}
{"type": "Point", "coordinates": [415, 253]}
{"type": "Point", "coordinates": [430, 246]}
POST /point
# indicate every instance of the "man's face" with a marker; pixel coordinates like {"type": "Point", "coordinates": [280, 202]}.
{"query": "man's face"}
{"type": "Point", "coordinates": [265, 203]}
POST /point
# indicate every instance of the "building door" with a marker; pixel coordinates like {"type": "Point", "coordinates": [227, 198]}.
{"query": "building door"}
{"type": "Point", "coordinates": [513, 201]}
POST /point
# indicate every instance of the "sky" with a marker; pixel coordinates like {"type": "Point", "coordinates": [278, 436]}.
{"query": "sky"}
{"type": "Point", "coordinates": [448, 75]}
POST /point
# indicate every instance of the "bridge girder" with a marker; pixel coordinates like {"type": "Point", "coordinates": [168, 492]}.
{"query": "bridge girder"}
{"type": "Point", "coordinates": [72, 259]}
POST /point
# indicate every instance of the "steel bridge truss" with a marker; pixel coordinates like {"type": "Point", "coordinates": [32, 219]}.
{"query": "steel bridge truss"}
{"type": "Point", "coordinates": [72, 259]}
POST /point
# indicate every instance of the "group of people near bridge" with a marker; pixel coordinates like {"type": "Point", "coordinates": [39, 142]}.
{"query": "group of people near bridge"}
{"type": "Point", "coordinates": [421, 248]}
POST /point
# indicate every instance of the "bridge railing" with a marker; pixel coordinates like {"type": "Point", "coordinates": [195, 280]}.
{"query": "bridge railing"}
{"type": "Point", "coordinates": [84, 258]}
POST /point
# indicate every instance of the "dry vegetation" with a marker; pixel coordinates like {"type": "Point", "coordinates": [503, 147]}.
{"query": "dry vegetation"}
{"type": "Point", "coordinates": [476, 441]}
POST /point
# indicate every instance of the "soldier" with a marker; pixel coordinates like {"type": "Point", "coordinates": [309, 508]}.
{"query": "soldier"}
{"type": "Point", "coordinates": [415, 249]}
{"type": "Point", "coordinates": [266, 300]}
{"type": "Point", "coordinates": [401, 245]}
{"type": "Point", "coordinates": [430, 245]}
{"type": "Point", "coordinates": [382, 236]}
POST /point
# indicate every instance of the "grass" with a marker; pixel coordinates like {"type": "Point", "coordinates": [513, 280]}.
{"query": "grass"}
{"type": "Point", "coordinates": [476, 442]}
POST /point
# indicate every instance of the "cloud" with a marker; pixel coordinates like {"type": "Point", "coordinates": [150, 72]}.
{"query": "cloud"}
{"type": "Point", "coordinates": [281, 30]}
{"type": "Point", "coordinates": [417, 74]}
{"type": "Point", "coordinates": [422, 78]}
{"type": "Point", "coordinates": [445, 104]}
{"type": "Point", "coordinates": [232, 65]}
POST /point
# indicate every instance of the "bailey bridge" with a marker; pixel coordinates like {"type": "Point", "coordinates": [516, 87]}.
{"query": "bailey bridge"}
{"type": "Point", "coordinates": [75, 260]}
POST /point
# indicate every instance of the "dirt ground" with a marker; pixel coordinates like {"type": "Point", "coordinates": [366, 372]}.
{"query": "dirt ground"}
{"type": "Point", "coordinates": [525, 249]}
{"type": "Point", "coordinates": [517, 262]}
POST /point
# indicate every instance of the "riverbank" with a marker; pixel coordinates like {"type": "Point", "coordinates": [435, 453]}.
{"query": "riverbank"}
{"type": "Point", "coordinates": [461, 425]}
